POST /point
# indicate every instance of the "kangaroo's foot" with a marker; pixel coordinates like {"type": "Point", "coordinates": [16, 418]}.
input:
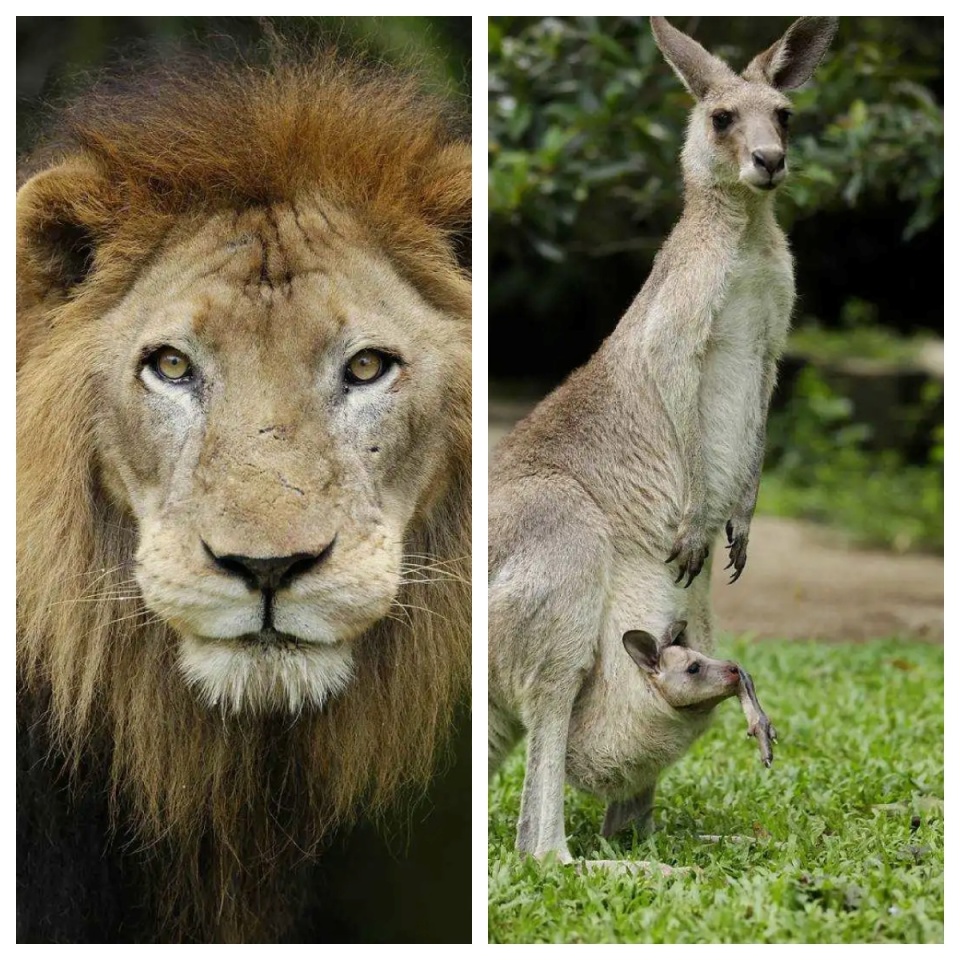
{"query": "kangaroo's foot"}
{"type": "Point", "coordinates": [758, 723]}
{"type": "Point", "coordinates": [725, 838]}
{"type": "Point", "coordinates": [631, 867]}
{"type": "Point", "coordinates": [547, 857]}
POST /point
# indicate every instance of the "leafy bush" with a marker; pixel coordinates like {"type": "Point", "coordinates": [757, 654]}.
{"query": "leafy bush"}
{"type": "Point", "coordinates": [819, 467]}
{"type": "Point", "coordinates": [585, 116]}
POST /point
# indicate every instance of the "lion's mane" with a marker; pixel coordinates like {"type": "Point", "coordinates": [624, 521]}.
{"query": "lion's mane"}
{"type": "Point", "coordinates": [223, 805]}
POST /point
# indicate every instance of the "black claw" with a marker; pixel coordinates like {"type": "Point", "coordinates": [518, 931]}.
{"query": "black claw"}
{"type": "Point", "coordinates": [673, 556]}
{"type": "Point", "coordinates": [683, 570]}
{"type": "Point", "coordinates": [730, 564]}
{"type": "Point", "coordinates": [736, 575]}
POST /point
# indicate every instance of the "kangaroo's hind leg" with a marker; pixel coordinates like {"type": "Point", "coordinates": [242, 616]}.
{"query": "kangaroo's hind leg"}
{"type": "Point", "coordinates": [635, 811]}
{"type": "Point", "coordinates": [569, 639]}
{"type": "Point", "coordinates": [547, 596]}
{"type": "Point", "coordinates": [541, 829]}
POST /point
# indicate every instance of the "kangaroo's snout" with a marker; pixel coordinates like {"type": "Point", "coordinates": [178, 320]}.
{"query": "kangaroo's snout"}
{"type": "Point", "coordinates": [771, 159]}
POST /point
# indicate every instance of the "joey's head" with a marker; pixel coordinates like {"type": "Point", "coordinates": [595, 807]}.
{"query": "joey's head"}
{"type": "Point", "coordinates": [685, 678]}
{"type": "Point", "coordinates": [738, 130]}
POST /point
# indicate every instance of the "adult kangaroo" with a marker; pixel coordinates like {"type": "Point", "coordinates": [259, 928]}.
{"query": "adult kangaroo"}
{"type": "Point", "coordinates": [611, 492]}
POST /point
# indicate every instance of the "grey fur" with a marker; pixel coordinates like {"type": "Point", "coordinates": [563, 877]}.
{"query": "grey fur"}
{"type": "Point", "coordinates": [647, 452]}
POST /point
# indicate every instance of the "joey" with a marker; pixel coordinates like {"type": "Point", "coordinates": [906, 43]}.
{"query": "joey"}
{"type": "Point", "coordinates": [689, 680]}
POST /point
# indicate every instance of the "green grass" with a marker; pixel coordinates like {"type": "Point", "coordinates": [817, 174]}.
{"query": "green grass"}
{"type": "Point", "coordinates": [847, 825]}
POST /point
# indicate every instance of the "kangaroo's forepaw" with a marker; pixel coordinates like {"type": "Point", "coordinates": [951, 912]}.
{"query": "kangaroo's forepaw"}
{"type": "Point", "coordinates": [737, 536]}
{"type": "Point", "coordinates": [690, 550]}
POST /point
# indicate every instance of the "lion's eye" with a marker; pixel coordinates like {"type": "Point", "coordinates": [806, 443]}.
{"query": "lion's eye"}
{"type": "Point", "coordinates": [367, 366]}
{"type": "Point", "coordinates": [171, 364]}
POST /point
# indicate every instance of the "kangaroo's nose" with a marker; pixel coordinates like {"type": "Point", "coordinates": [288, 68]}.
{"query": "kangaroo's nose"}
{"type": "Point", "coordinates": [269, 573]}
{"type": "Point", "coordinates": [733, 670]}
{"type": "Point", "coordinates": [771, 159]}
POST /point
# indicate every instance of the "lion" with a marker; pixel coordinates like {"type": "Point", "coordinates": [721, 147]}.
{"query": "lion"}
{"type": "Point", "coordinates": [243, 315]}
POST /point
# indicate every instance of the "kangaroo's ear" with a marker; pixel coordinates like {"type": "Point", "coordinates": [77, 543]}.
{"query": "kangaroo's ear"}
{"type": "Point", "coordinates": [676, 635]}
{"type": "Point", "coordinates": [644, 649]}
{"type": "Point", "coordinates": [791, 61]}
{"type": "Point", "coordinates": [698, 69]}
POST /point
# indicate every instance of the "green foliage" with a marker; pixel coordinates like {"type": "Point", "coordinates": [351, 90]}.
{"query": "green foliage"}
{"type": "Point", "coordinates": [820, 467]}
{"type": "Point", "coordinates": [847, 826]}
{"type": "Point", "coordinates": [586, 123]}
{"type": "Point", "coordinates": [582, 116]}
{"type": "Point", "coordinates": [879, 131]}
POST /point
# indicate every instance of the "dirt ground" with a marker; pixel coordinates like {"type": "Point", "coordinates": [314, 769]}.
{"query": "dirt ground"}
{"type": "Point", "coordinates": [803, 581]}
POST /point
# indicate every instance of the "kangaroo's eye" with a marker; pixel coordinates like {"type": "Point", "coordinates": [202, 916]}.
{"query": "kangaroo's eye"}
{"type": "Point", "coordinates": [784, 116]}
{"type": "Point", "coordinates": [171, 364]}
{"type": "Point", "coordinates": [367, 366]}
{"type": "Point", "coordinates": [721, 120]}
{"type": "Point", "coordinates": [693, 668]}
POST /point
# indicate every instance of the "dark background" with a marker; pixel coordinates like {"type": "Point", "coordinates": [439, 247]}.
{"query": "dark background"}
{"type": "Point", "coordinates": [55, 55]}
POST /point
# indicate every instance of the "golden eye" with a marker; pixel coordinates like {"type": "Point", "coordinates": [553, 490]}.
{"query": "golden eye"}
{"type": "Point", "coordinates": [367, 366]}
{"type": "Point", "coordinates": [171, 364]}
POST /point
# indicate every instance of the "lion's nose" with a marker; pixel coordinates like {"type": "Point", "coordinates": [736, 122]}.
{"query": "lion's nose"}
{"type": "Point", "coordinates": [269, 573]}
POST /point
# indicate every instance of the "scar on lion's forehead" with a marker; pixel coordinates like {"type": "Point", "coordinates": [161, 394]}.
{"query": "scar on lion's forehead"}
{"type": "Point", "coordinates": [313, 308]}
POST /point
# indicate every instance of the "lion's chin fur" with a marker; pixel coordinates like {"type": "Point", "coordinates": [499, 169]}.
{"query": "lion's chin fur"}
{"type": "Point", "coordinates": [237, 676]}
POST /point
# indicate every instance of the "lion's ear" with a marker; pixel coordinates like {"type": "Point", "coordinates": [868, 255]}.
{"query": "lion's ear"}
{"type": "Point", "coordinates": [61, 215]}
{"type": "Point", "coordinates": [447, 199]}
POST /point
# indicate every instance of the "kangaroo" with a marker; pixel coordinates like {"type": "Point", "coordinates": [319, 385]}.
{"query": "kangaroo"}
{"type": "Point", "coordinates": [612, 491]}
{"type": "Point", "coordinates": [684, 687]}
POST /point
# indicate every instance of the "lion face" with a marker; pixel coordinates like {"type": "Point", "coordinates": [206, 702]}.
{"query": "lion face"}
{"type": "Point", "coordinates": [271, 403]}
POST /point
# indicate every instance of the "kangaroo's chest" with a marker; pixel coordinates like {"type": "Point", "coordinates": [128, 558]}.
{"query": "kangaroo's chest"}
{"type": "Point", "coordinates": [754, 313]}
{"type": "Point", "coordinates": [748, 335]}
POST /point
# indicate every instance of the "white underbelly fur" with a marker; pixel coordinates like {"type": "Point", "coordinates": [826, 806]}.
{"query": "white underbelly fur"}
{"type": "Point", "coordinates": [749, 328]}
{"type": "Point", "coordinates": [731, 409]}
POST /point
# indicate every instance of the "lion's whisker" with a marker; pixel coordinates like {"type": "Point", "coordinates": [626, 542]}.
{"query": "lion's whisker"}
{"type": "Point", "coordinates": [413, 606]}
